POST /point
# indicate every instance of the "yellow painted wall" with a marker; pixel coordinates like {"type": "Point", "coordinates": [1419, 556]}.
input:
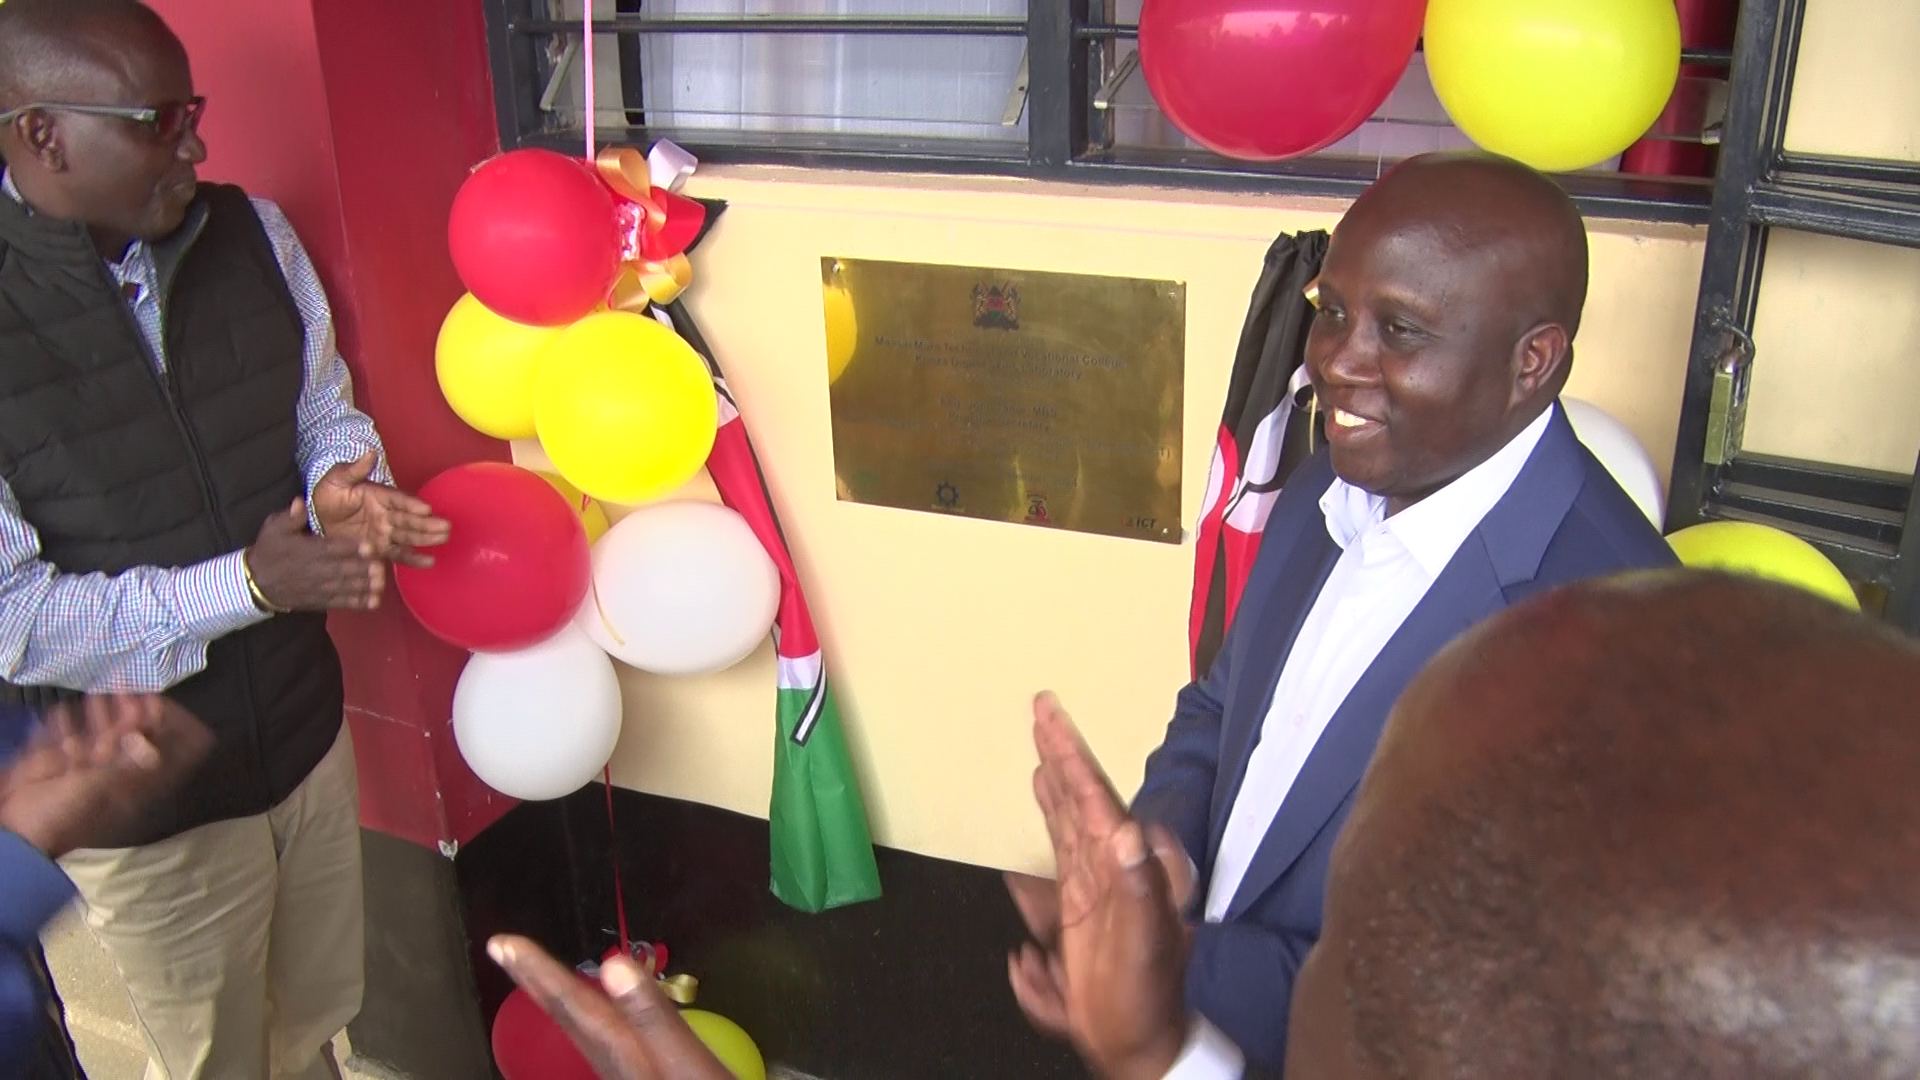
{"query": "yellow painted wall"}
{"type": "Point", "coordinates": [1837, 334]}
{"type": "Point", "coordinates": [1855, 90]}
{"type": "Point", "coordinates": [938, 630]}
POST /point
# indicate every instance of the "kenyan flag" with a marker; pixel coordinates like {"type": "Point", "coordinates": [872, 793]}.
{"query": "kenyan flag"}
{"type": "Point", "coordinates": [1256, 448]}
{"type": "Point", "coordinates": [822, 849]}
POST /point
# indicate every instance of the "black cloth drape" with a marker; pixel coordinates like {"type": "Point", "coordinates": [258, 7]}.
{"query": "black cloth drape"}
{"type": "Point", "coordinates": [1267, 428]}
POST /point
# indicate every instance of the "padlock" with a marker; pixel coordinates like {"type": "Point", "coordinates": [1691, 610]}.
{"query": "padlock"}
{"type": "Point", "coordinates": [1727, 411]}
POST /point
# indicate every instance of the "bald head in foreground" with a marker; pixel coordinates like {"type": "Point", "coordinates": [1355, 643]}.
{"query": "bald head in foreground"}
{"type": "Point", "coordinates": [1665, 826]}
{"type": "Point", "coordinates": [1662, 826]}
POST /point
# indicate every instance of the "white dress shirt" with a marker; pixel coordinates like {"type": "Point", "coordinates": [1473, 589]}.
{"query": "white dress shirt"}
{"type": "Point", "coordinates": [1386, 566]}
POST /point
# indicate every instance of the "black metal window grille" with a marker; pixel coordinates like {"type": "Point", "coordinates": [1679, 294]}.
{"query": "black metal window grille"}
{"type": "Point", "coordinates": [1865, 520]}
{"type": "Point", "coordinates": [1039, 88]}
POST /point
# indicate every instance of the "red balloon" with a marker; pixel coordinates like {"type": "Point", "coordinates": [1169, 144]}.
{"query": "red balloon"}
{"type": "Point", "coordinates": [515, 568]}
{"type": "Point", "coordinates": [1263, 80]}
{"type": "Point", "coordinates": [528, 1045]}
{"type": "Point", "coordinates": [534, 238]}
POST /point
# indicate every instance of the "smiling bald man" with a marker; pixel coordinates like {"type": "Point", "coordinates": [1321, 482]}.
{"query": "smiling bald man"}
{"type": "Point", "coordinates": [1452, 485]}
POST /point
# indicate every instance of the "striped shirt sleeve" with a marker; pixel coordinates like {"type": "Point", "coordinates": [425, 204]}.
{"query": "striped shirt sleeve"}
{"type": "Point", "coordinates": [331, 431]}
{"type": "Point", "coordinates": [139, 631]}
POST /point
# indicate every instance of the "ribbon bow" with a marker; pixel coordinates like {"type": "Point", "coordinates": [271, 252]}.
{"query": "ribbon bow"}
{"type": "Point", "coordinates": [657, 224]}
{"type": "Point", "coordinates": [680, 989]}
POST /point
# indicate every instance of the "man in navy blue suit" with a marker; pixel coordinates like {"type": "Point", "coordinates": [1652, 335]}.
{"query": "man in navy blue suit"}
{"type": "Point", "coordinates": [67, 780]}
{"type": "Point", "coordinates": [1451, 486]}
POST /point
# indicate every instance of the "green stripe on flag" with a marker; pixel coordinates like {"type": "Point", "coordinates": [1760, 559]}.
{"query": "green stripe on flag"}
{"type": "Point", "coordinates": [822, 850]}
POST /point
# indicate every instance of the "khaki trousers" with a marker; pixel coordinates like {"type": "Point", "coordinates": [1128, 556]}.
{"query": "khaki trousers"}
{"type": "Point", "coordinates": [241, 942]}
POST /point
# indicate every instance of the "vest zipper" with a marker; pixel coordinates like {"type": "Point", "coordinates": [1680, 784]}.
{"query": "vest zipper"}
{"type": "Point", "coordinates": [167, 382]}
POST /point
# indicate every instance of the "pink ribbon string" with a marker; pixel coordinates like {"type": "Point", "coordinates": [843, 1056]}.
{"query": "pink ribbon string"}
{"type": "Point", "coordinates": [586, 70]}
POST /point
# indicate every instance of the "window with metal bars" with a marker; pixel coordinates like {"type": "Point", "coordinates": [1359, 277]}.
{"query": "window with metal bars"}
{"type": "Point", "coordinates": [1047, 89]}
{"type": "Point", "coordinates": [1867, 521]}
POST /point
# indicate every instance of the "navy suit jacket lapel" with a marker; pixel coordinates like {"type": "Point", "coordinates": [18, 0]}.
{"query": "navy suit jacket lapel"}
{"type": "Point", "coordinates": [1310, 556]}
{"type": "Point", "coordinates": [1505, 549]}
{"type": "Point", "coordinates": [1465, 592]}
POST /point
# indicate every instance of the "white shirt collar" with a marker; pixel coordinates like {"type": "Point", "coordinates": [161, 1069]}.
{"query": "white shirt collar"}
{"type": "Point", "coordinates": [1434, 528]}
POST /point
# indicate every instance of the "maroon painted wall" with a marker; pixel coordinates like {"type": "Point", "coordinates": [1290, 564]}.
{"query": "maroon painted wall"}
{"type": "Point", "coordinates": [361, 117]}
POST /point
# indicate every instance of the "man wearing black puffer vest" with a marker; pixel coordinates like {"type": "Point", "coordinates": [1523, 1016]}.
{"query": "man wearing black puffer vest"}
{"type": "Point", "coordinates": [187, 490]}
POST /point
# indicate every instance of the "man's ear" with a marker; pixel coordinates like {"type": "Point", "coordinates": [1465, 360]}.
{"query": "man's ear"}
{"type": "Point", "coordinates": [1540, 360]}
{"type": "Point", "coordinates": [36, 134]}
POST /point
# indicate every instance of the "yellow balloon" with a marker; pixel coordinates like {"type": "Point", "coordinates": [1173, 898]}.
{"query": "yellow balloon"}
{"type": "Point", "coordinates": [1558, 84]}
{"type": "Point", "coordinates": [624, 407]}
{"type": "Point", "coordinates": [843, 330]}
{"type": "Point", "coordinates": [728, 1043]}
{"type": "Point", "coordinates": [593, 516]}
{"type": "Point", "coordinates": [486, 364]}
{"type": "Point", "coordinates": [1743, 547]}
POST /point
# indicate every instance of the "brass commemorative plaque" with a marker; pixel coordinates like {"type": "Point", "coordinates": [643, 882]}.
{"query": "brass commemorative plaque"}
{"type": "Point", "coordinates": [1010, 395]}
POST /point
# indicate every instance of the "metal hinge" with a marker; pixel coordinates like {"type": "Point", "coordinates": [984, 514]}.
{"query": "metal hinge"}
{"type": "Point", "coordinates": [1017, 96]}
{"type": "Point", "coordinates": [1130, 63]}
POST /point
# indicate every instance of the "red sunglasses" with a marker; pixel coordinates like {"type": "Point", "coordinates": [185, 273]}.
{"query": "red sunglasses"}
{"type": "Point", "coordinates": [166, 122]}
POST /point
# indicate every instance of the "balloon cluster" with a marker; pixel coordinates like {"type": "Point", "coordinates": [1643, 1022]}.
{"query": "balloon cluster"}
{"type": "Point", "coordinates": [1558, 84]}
{"type": "Point", "coordinates": [563, 261]}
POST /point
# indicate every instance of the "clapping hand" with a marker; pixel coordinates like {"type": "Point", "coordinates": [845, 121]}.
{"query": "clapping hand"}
{"type": "Point", "coordinates": [630, 1032]}
{"type": "Point", "coordinates": [390, 522]}
{"type": "Point", "coordinates": [93, 767]}
{"type": "Point", "coordinates": [295, 570]}
{"type": "Point", "coordinates": [1113, 979]}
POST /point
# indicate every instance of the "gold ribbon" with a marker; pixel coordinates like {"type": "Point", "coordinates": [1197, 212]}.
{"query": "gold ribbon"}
{"type": "Point", "coordinates": [625, 171]}
{"type": "Point", "coordinates": [655, 282]}
{"type": "Point", "coordinates": [601, 610]}
{"type": "Point", "coordinates": [680, 989]}
{"type": "Point", "coordinates": [657, 277]}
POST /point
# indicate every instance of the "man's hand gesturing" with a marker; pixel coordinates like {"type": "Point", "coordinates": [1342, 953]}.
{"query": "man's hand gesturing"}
{"type": "Point", "coordinates": [298, 571]}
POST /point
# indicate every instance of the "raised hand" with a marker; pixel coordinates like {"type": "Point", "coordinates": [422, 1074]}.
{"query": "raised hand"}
{"type": "Point", "coordinates": [1034, 968]}
{"type": "Point", "coordinates": [92, 768]}
{"type": "Point", "coordinates": [1115, 980]}
{"type": "Point", "coordinates": [393, 523]}
{"type": "Point", "coordinates": [298, 571]}
{"type": "Point", "coordinates": [630, 1032]}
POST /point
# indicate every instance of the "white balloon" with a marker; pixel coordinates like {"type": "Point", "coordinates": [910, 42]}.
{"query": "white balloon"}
{"type": "Point", "coordinates": [1622, 454]}
{"type": "Point", "coordinates": [680, 588]}
{"type": "Point", "coordinates": [541, 722]}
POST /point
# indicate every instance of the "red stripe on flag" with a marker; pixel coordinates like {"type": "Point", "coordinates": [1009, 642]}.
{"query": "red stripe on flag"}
{"type": "Point", "coordinates": [736, 474]}
{"type": "Point", "coordinates": [1223, 475]}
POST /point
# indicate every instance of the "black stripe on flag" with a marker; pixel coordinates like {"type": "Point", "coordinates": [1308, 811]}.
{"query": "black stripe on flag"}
{"type": "Point", "coordinates": [1272, 347]}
